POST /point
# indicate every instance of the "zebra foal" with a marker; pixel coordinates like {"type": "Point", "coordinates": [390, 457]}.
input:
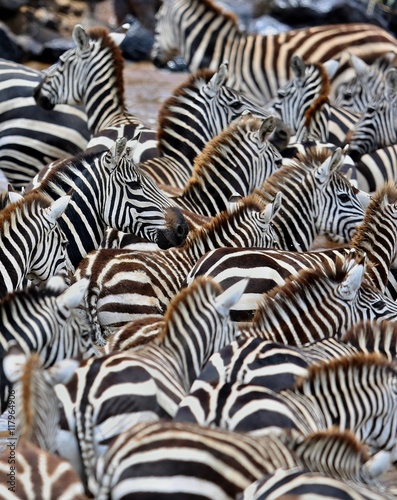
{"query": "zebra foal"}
{"type": "Point", "coordinates": [205, 36]}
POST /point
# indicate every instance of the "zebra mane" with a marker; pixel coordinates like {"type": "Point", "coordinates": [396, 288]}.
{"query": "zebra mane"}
{"type": "Point", "coordinates": [322, 99]}
{"type": "Point", "coordinates": [341, 368]}
{"type": "Point", "coordinates": [304, 162]}
{"type": "Point", "coordinates": [218, 144]}
{"type": "Point", "coordinates": [107, 43]}
{"type": "Point", "coordinates": [192, 84]}
{"type": "Point", "coordinates": [374, 336]}
{"type": "Point", "coordinates": [30, 293]}
{"type": "Point", "coordinates": [217, 9]}
{"type": "Point", "coordinates": [297, 286]}
{"type": "Point", "coordinates": [373, 213]}
{"type": "Point", "coordinates": [37, 405]}
{"type": "Point", "coordinates": [201, 286]}
{"type": "Point", "coordinates": [27, 205]}
{"type": "Point", "coordinates": [250, 203]}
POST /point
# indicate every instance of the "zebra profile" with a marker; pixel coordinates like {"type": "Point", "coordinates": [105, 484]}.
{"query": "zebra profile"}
{"type": "Point", "coordinates": [238, 160]}
{"type": "Point", "coordinates": [108, 190]}
{"type": "Point", "coordinates": [317, 200]}
{"type": "Point", "coordinates": [376, 236]}
{"type": "Point", "coordinates": [32, 244]}
{"type": "Point", "coordinates": [151, 278]}
{"type": "Point", "coordinates": [377, 126]}
{"type": "Point", "coordinates": [30, 136]}
{"type": "Point", "coordinates": [34, 421]}
{"type": "Point", "coordinates": [205, 36]}
{"type": "Point", "coordinates": [43, 320]}
{"type": "Point", "coordinates": [153, 379]}
{"type": "Point", "coordinates": [356, 94]}
{"type": "Point", "coordinates": [303, 103]}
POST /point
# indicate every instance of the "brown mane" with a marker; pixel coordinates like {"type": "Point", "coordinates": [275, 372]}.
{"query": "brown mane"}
{"type": "Point", "coordinates": [322, 98]}
{"type": "Point", "coordinates": [25, 204]}
{"type": "Point", "coordinates": [107, 43]}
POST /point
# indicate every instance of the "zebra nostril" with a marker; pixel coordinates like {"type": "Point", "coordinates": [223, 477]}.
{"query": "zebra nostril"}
{"type": "Point", "coordinates": [182, 230]}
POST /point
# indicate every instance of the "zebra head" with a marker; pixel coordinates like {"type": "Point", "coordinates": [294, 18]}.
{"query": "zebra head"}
{"type": "Point", "coordinates": [66, 82]}
{"type": "Point", "coordinates": [166, 44]}
{"type": "Point", "coordinates": [377, 127]}
{"type": "Point", "coordinates": [341, 207]}
{"type": "Point", "coordinates": [133, 203]}
{"type": "Point", "coordinates": [49, 256]}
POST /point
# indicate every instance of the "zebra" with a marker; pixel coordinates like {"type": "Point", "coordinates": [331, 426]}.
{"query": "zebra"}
{"type": "Point", "coordinates": [152, 379]}
{"type": "Point", "coordinates": [298, 483]}
{"type": "Point", "coordinates": [205, 36]}
{"type": "Point", "coordinates": [44, 320]}
{"type": "Point", "coordinates": [267, 268]}
{"type": "Point", "coordinates": [317, 200]}
{"type": "Point", "coordinates": [151, 278]}
{"type": "Point", "coordinates": [303, 103]}
{"type": "Point", "coordinates": [203, 105]}
{"type": "Point", "coordinates": [32, 244]}
{"type": "Point", "coordinates": [353, 393]}
{"type": "Point", "coordinates": [238, 160]}
{"type": "Point", "coordinates": [108, 190]}
{"type": "Point", "coordinates": [30, 136]}
{"type": "Point", "coordinates": [33, 418]}
{"type": "Point", "coordinates": [377, 126]}
{"type": "Point", "coordinates": [188, 460]}
{"type": "Point", "coordinates": [355, 95]}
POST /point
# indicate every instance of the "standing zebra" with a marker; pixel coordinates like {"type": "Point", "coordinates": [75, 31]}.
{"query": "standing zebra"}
{"type": "Point", "coordinates": [32, 244]}
{"type": "Point", "coordinates": [238, 160]}
{"type": "Point", "coordinates": [44, 321]}
{"type": "Point", "coordinates": [376, 236]}
{"type": "Point", "coordinates": [198, 110]}
{"type": "Point", "coordinates": [33, 426]}
{"type": "Point", "coordinates": [107, 395]}
{"type": "Point", "coordinates": [356, 94]}
{"type": "Point", "coordinates": [150, 279]}
{"type": "Point", "coordinates": [377, 127]}
{"type": "Point", "coordinates": [108, 190]}
{"type": "Point", "coordinates": [32, 137]}
{"type": "Point", "coordinates": [205, 36]}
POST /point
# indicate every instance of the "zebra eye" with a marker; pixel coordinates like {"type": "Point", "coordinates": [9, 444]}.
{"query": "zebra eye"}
{"type": "Point", "coordinates": [379, 305]}
{"type": "Point", "coordinates": [344, 197]}
{"type": "Point", "coordinates": [134, 184]}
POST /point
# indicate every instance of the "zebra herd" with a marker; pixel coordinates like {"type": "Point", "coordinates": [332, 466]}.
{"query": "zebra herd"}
{"type": "Point", "coordinates": [205, 310]}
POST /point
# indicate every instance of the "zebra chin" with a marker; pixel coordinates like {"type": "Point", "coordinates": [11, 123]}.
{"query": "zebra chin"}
{"type": "Point", "coordinates": [176, 232]}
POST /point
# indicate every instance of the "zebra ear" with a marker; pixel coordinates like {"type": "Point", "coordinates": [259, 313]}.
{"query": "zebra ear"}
{"type": "Point", "coordinates": [118, 150]}
{"type": "Point", "coordinates": [332, 164]}
{"type": "Point", "coordinates": [350, 285]}
{"type": "Point", "coordinates": [272, 208]}
{"type": "Point", "coordinates": [359, 65]}
{"type": "Point", "coordinates": [227, 299]}
{"type": "Point", "coordinates": [80, 38]}
{"type": "Point", "coordinates": [14, 197]}
{"type": "Point", "coordinates": [219, 78]}
{"type": "Point", "coordinates": [331, 67]}
{"type": "Point", "coordinates": [391, 82]}
{"type": "Point", "coordinates": [73, 296]}
{"type": "Point", "coordinates": [298, 66]}
{"type": "Point", "coordinates": [62, 371]}
{"type": "Point", "coordinates": [57, 208]}
{"type": "Point", "coordinates": [266, 128]}
{"type": "Point", "coordinates": [378, 464]}
{"type": "Point", "coordinates": [14, 362]}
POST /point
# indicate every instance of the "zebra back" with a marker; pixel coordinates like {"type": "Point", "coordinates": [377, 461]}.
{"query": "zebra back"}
{"type": "Point", "coordinates": [109, 190]}
{"type": "Point", "coordinates": [92, 74]}
{"type": "Point", "coordinates": [153, 278]}
{"type": "Point", "coordinates": [30, 136]}
{"type": "Point", "coordinates": [205, 36]}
